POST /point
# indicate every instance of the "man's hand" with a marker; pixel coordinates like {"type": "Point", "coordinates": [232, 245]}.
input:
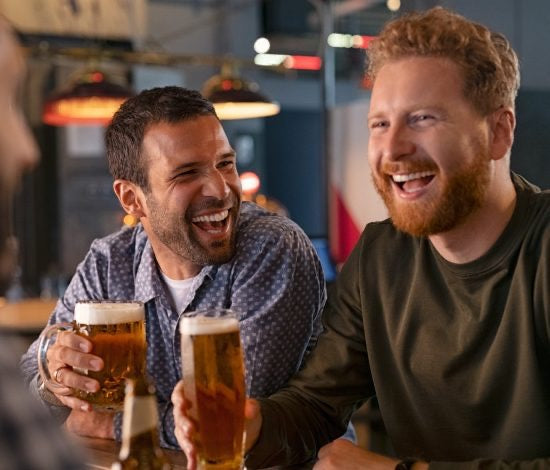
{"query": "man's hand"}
{"type": "Point", "coordinates": [185, 427]}
{"type": "Point", "coordinates": [342, 454]}
{"type": "Point", "coordinates": [91, 424]}
{"type": "Point", "coordinates": [72, 351]}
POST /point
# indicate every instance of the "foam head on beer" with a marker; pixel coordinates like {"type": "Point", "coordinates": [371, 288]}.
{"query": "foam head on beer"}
{"type": "Point", "coordinates": [208, 326]}
{"type": "Point", "coordinates": [108, 312]}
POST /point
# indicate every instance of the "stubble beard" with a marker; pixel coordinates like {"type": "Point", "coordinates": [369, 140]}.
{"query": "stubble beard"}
{"type": "Point", "coordinates": [463, 193]}
{"type": "Point", "coordinates": [176, 232]}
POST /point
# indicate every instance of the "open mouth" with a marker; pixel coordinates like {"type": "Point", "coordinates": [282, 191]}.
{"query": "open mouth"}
{"type": "Point", "coordinates": [215, 223]}
{"type": "Point", "coordinates": [413, 182]}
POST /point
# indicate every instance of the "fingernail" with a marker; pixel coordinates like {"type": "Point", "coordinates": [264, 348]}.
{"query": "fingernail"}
{"type": "Point", "coordinates": [85, 407]}
{"type": "Point", "coordinates": [85, 347]}
{"type": "Point", "coordinates": [95, 364]}
{"type": "Point", "coordinates": [91, 386]}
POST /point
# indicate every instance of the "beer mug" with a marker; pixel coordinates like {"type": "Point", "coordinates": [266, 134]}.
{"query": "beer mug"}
{"type": "Point", "coordinates": [213, 380]}
{"type": "Point", "coordinates": [117, 332]}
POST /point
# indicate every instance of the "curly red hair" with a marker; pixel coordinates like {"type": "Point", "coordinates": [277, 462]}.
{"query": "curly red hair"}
{"type": "Point", "coordinates": [489, 64]}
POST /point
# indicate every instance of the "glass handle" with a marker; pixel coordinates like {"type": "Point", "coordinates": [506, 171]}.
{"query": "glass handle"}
{"type": "Point", "coordinates": [45, 340]}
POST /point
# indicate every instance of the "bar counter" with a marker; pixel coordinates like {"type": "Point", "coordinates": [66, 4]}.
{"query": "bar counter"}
{"type": "Point", "coordinates": [101, 453]}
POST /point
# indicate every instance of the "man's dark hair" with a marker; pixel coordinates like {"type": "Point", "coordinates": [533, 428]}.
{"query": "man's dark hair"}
{"type": "Point", "coordinates": [124, 136]}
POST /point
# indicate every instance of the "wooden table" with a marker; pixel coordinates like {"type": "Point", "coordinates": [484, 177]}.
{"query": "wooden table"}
{"type": "Point", "coordinates": [25, 317]}
{"type": "Point", "coordinates": [103, 452]}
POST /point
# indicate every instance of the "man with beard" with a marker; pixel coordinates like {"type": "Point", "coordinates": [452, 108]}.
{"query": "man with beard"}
{"type": "Point", "coordinates": [443, 311]}
{"type": "Point", "coordinates": [196, 246]}
{"type": "Point", "coordinates": [29, 439]}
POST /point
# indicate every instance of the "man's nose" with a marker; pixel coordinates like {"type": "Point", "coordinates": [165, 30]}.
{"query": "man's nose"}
{"type": "Point", "coordinates": [397, 143]}
{"type": "Point", "coordinates": [216, 185]}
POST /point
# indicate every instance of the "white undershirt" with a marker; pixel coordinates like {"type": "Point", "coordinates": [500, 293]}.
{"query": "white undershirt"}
{"type": "Point", "coordinates": [178, 289]}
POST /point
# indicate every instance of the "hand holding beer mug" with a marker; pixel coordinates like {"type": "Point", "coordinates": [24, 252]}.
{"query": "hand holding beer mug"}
{"type": "Point", "coordinates": [117, 333]}
{"type": "Point", "coordinates": [213, 382]}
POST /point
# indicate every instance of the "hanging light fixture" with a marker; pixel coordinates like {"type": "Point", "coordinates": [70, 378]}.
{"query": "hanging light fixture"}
{"type": "Point", "coordinates": [235, 98]}
{"type": "Point", "coordinates": [90, 99]}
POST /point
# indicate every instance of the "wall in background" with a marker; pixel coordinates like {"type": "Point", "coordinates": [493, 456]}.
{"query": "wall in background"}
{"type": "Point", "coordinates": [287, 150]}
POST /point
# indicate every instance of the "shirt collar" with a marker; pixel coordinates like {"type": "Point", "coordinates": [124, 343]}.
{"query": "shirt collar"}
{"type": "Point", "coordinates": [148, 283]}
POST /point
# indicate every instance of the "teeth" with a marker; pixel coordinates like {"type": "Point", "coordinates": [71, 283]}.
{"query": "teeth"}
{"type": "Point", "coordinates": [411, 176]}
{"type": "Point", "coordinates": [217, 217]}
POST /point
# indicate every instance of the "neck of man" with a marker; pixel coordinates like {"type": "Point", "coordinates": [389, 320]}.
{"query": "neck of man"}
{"type": "Point", "coordinates": [479, 232]}
{"type": "Point", "coordinates": [170, 263]}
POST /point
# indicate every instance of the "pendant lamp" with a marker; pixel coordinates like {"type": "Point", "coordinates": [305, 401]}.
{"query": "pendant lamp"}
{"type": "Point", "coordinates": [236, 98]}
{"type": "Point", "coordinates": [91, 98]}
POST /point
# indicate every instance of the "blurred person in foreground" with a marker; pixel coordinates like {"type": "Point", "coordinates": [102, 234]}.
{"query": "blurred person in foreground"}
{"type": "Point", "coordinates": [197, 246]}
{"type": "Point", "coordinates": [443, 311]}
{"type": "Point", "coordinates": [29, 439]}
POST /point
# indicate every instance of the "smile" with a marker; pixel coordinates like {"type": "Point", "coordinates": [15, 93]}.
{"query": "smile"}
{"type": "Point", "coordinates": [413, 182]}
{"type": "Point", "coordinates": [216, 217]}
{"type": "Point", "coordinates": [214, 223]}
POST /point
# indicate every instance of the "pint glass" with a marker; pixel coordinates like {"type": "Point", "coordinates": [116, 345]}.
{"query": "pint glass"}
{"type": "Point", "coordinates": [117, 332]}
{"type": "Point", "coordinates": [213, 377]}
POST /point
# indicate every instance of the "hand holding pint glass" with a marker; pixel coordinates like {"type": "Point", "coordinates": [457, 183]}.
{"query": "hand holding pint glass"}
{"type": "Point", "coordinates": [213, 382]}
{"type": "Point", "coordinates": [116, 330]}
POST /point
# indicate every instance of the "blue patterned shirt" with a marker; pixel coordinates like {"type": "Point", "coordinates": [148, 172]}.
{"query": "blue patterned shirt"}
{"type": "Point", "coordinates": [274, 283]}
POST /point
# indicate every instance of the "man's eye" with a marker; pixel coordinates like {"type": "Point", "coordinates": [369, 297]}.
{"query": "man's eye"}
{"type": "Point", "coordinates": [227, 164]}
{"type": "Point", "coordinates": [378, 124]}
{"type": "Point", "coordinates": [422, 118]}
{"type": "Point", "coordinates": [187, 173]}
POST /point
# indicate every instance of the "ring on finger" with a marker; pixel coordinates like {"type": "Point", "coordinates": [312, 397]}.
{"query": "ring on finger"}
{"type": "Point", "coordinates": [56, 373]}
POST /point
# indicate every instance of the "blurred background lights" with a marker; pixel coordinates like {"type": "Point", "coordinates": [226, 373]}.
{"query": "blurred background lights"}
{"type": "Point", "coordinates": [250, 182]}
{"type": "Point", "coordinates": [262, 45]}
{"type": "Point", "coordinates": [348, 40]}
{"type": "Point", "coordinates": [269, 59]}
{"type": "Point", "coordinates": [393, 5]}
{"type": "Point", "coordinates": [130, 220]}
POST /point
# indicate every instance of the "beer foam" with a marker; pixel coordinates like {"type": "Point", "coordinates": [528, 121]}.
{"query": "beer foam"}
{"type": "Point", "coordinates": [208, 325]}
{"type": "Point", "coordinates": [108, 313]}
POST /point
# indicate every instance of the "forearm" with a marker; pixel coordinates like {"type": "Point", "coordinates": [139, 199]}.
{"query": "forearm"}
{"type": "Point", "coordinates": [292, 431]}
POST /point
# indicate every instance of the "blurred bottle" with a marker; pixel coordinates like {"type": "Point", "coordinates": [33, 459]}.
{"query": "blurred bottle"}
{"type": "Point", "coordinates": [140, 449]}
{"type": "Point", "coordinates": [15, 291]}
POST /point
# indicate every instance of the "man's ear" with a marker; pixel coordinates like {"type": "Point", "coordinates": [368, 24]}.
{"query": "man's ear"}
{"type": "Point", "coordinates": [503, 123]}
{"type": "Point", "coordinates": [131, 197]}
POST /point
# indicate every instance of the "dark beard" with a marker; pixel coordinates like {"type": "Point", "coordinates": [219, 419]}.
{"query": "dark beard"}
{"type": "Point", "coordinates": [176, 232]}
{"type": "Point", "coordinates": [463, 193]}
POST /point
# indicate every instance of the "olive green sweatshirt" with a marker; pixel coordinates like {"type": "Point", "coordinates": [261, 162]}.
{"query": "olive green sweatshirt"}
{"type": "Point", "coordinates": [458, 355]}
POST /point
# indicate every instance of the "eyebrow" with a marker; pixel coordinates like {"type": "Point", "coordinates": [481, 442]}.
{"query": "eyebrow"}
{"type": "Point", "coordinates": [231, 153]}
{"type": "Point", "coordinates": [184, 166]}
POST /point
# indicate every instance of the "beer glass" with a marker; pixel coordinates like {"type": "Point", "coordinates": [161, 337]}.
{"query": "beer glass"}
{"type": "Point", "coordinates": [213, 379]}
{"type": "Point", "coordinates": [117, 332]}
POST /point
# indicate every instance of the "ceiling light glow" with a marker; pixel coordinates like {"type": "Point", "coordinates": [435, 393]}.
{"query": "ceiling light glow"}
{"type": "Point", "coordinates": [262, 45]}
{"type": "Point", "coordinates": [393, 5]}
{"type": "Point", "coordinates": [347, 40]}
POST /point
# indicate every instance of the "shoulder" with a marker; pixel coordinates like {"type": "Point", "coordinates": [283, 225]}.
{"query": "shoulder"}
{"type": "Point", "coordinates": [534, 205]}
{"type": "Point", "coordinates": [538, 199]}
{"type": "Point", "coordinates": [126, 241]}
{"type": "Point", "coordinates": [257, 224]}
{"type": "Point", "coordinates": [381, 243]}
{"type": "Point", "coordinates": [383, 233]}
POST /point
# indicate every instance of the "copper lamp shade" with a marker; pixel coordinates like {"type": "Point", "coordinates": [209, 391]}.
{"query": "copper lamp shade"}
{"type": "Point", "coordinates": [91, 99]}
{"type": "Point", "coordinates": [236, 98]}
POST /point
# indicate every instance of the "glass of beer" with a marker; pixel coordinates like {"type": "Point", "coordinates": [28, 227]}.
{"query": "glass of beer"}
{"type": "Point", "coordinates": [117, 332]}
{"type": "Point", "coordinates": [213, 378]}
